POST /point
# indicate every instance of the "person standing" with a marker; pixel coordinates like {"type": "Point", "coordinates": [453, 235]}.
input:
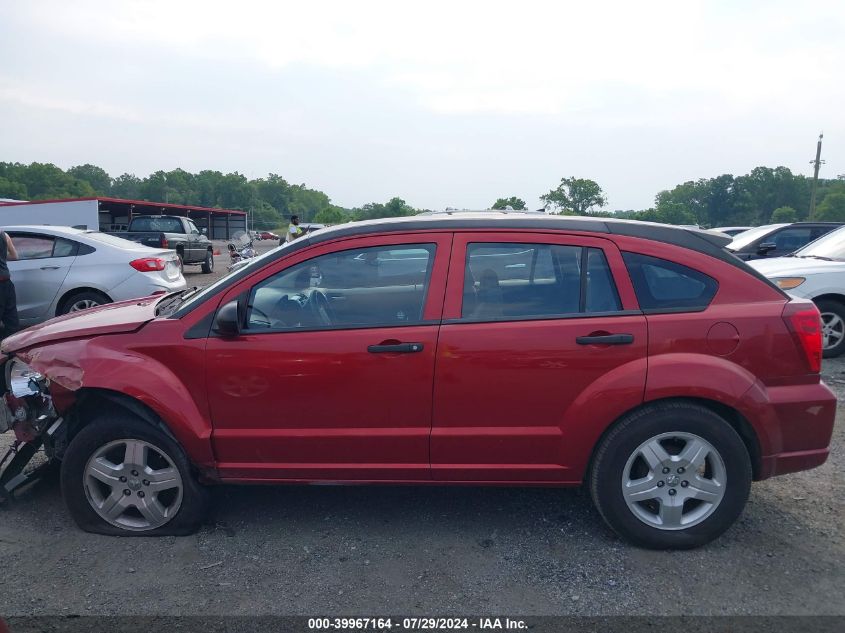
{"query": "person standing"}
{"type": "Point", "coordinates": [8, 300]}
{"type": "Point", "coordinates": [293, 229]}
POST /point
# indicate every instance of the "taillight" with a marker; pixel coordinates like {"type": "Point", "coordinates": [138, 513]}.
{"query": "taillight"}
{"type": "Point", "coordinates": [163, 241]}
{"type": "Point", "coordinates": [148, 264]}
{"type": "Point", "coordinates": [805, 323]}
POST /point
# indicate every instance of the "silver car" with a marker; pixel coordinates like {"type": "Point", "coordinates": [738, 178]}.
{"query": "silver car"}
{"type": "Point", "coordinates": [61, 269]}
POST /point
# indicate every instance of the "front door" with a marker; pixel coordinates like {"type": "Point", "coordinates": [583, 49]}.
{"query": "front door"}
{"type": "Point", "coordinates": [331, 377]}
{"type": "Point", "coordinates": [537, 333]}
{"type": "Point", "coordinates": [39, 272]}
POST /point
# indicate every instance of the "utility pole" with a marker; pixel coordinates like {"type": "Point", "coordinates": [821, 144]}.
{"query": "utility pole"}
{"type": "Point", "coordinates": [816, 164]}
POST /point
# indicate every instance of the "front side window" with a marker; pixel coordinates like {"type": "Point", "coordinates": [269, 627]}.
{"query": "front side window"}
{"type": "Point", "coordinates": [664, 285]}
{"type": "Point", "coordinates": [366, 287]}
{"type": "Point", "coordinates": [793, 238]}
{"type": "Point", "coordinates": [511, 281]}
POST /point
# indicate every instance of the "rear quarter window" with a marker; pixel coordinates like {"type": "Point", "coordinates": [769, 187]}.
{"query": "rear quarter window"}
{"type": "Point", "coordinates": [664, 285]}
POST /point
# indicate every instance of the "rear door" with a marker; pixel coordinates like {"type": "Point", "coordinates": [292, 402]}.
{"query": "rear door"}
{"type": "Point", "coordinates": [532, 324]}
{"type": "Point", "coordinates": [39, 272]}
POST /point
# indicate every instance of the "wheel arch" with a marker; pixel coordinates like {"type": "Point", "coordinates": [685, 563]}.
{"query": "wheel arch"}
{"type": "Point", "coordinates": [78, 290]}
{"type": "Point", "coordinates": [93, 401]}
{"type": "Point", "coordinates": [830, 296]}
{"type": "Point", "coordinates": [732, 416]}
{"type": "Point", "coordinates": [90, 400]}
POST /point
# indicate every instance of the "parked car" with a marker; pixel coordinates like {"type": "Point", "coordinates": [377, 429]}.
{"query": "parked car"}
{"type": "Point", "coordinates": [732, 231]}
{"type": "Point", "coordinates": [640, 360]}
{"type": "Point", "coordinates": [174, 232]}
{"type": "Point", "coordinates": [62, 270]}
{"type": "Point", "coordinates": [777, 240]}
{"type": "Point", "coordinates": [816, 272]}
{"type": "Point", "coordinates": [268, 235]}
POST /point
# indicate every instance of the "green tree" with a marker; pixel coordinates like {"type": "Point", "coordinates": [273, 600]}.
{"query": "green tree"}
{"type": "Point", "coordinates": [95, 176]}
{"type": "Point", "coordinates": [126, 186]}
{"type": "Point", "coordinates": [264, 217]}
{"type": "Point", "coordinates": [784, 214]}
{"type": "Point", "coordinates": [395, 207]}
{"type": "Point", "coordinates": [330, 215]}
{"type": "Point", "coordinates": [513, 202]}
{"type": "Point", "coordinates": [832, 208]}
{"type": "Point", "coordinates": [575, 196]}
{"type": "Point", "coordinates": [11, 189]}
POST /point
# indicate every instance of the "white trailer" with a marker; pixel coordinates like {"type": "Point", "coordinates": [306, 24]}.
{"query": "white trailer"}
{"type": "Point", "coordinates": [80, 214]}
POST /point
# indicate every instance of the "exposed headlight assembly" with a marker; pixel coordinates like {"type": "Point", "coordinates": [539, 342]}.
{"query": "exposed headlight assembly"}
{"type": "Point", "coordinates": [788, 283]}
{"type": "Point", "coordinates": [22, 380]}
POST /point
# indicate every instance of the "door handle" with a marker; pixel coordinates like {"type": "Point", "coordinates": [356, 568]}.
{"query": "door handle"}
{"type": "Point", "coordinates": [606, 339]}
{"type": "Point", "coordinates": [49, 268]}
{"type": "Point", "coordinates": [395, 348]}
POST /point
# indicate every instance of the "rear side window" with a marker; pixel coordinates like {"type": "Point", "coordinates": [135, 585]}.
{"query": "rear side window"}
{"type": "Point", "coordinates": [665, 285]}
{"type": "Point", "coordinates": [513, 281]}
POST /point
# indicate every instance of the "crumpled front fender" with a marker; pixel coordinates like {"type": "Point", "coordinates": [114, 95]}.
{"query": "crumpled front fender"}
{"type": "Point", "coordinates": [99, 363]}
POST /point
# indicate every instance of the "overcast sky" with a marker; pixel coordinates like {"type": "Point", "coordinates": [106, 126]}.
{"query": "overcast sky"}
{"type": "Point", "coordinates": [441, 103]}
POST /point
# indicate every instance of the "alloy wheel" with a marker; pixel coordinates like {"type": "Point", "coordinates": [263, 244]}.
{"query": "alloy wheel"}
{"type": "Point", "coordinates": [133, 484]}
{"type": "Point", "coordinates": [833, 329]}
{"type": "Point", "coordinates": [83, 304]}
{"type": "Point", "coordinates": [674, 481]}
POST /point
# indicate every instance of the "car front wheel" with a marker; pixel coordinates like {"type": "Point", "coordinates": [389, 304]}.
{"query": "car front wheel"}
{"type": "Point", "coordinates": [672, 475]}
{"type": "Point", "coordinates": [833, 327]}
{"type": "Point", "coordinates": [123, 476]}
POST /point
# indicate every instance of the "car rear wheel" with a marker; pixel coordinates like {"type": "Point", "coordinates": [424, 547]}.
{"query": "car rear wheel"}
{"type": "Point", "coordinates": [122, 476]}
{"type": "Point", "coordinates": [672, 475]}
{"type": "Point", "coordinates": [833, 327]}
{"type": "Point", "coordinates": [82, 301]}
{"type": "Point", "coordinates": [208, 264]}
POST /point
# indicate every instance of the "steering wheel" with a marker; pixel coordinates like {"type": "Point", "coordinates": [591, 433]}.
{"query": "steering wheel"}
{"type": "Point", "coordinates": [318, 303]}
{"type": "Point", "coordinates": [263, 320]}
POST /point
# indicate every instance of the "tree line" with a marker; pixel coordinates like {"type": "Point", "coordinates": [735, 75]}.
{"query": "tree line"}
{"type": "Point", "coordinates": [764, 195]}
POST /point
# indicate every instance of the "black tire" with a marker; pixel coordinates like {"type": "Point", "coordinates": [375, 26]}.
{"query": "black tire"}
{"type": "Point", "coordinates": [77, 298]}
{"type": "Point", "coordinates": [120, 425]}
{"type": "Point", "coordinates": [832, 307]}
{"type": "Point", "coordinates": [208, 264]}
{"type": "Point", "coordinates": [608, 469]}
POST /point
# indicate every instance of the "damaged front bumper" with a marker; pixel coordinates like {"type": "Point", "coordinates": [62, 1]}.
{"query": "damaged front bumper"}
{"type": "Point", "coordinates": [27, 411]}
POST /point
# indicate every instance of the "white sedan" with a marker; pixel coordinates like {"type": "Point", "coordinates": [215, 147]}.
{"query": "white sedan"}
{"type": "Point", "coordinates": [816, 272]}
{"type": "Point", "coordinates": [61, 269]}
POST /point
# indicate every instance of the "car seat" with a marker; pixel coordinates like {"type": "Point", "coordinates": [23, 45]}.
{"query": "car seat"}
{"type": "Point", "coordinates": [490, 298]}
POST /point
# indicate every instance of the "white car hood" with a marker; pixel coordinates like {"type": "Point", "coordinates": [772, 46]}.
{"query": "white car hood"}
{"type": "Point", "coordinates": [795, 266]}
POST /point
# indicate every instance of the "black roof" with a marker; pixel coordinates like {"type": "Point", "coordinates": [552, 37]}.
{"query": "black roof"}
{"type": "Point", "coordinates": [694, 239]}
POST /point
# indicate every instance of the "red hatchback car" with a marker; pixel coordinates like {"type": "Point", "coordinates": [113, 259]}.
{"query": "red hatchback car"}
{"type": "Point", "coordinates": [640, 360]}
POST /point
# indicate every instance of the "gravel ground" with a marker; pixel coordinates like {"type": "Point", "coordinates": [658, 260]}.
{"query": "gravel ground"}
{"type": "Point", "coordinates": [431, 551]}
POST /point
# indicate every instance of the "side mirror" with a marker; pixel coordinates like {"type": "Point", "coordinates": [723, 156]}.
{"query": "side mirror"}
{"type": "Point", "coordinates": [765, 247]}
{"type": "Point", "coordinates": [226, 323]}
{"type": "Point", "coordinates": [204, 231]}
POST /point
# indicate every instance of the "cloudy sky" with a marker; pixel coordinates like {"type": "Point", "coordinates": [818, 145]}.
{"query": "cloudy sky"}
{"type": "Point", "coordinates": [442, 103]}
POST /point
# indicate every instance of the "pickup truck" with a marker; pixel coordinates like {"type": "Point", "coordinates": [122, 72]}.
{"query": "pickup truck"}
{"type": "Point", "coordinates": [173, 232]}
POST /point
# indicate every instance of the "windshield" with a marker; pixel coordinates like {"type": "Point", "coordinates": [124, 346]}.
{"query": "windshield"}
{"type": "Point", "coordinates": [747, 237]}
{"type": "Point", "coordinates": [829, 246]}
